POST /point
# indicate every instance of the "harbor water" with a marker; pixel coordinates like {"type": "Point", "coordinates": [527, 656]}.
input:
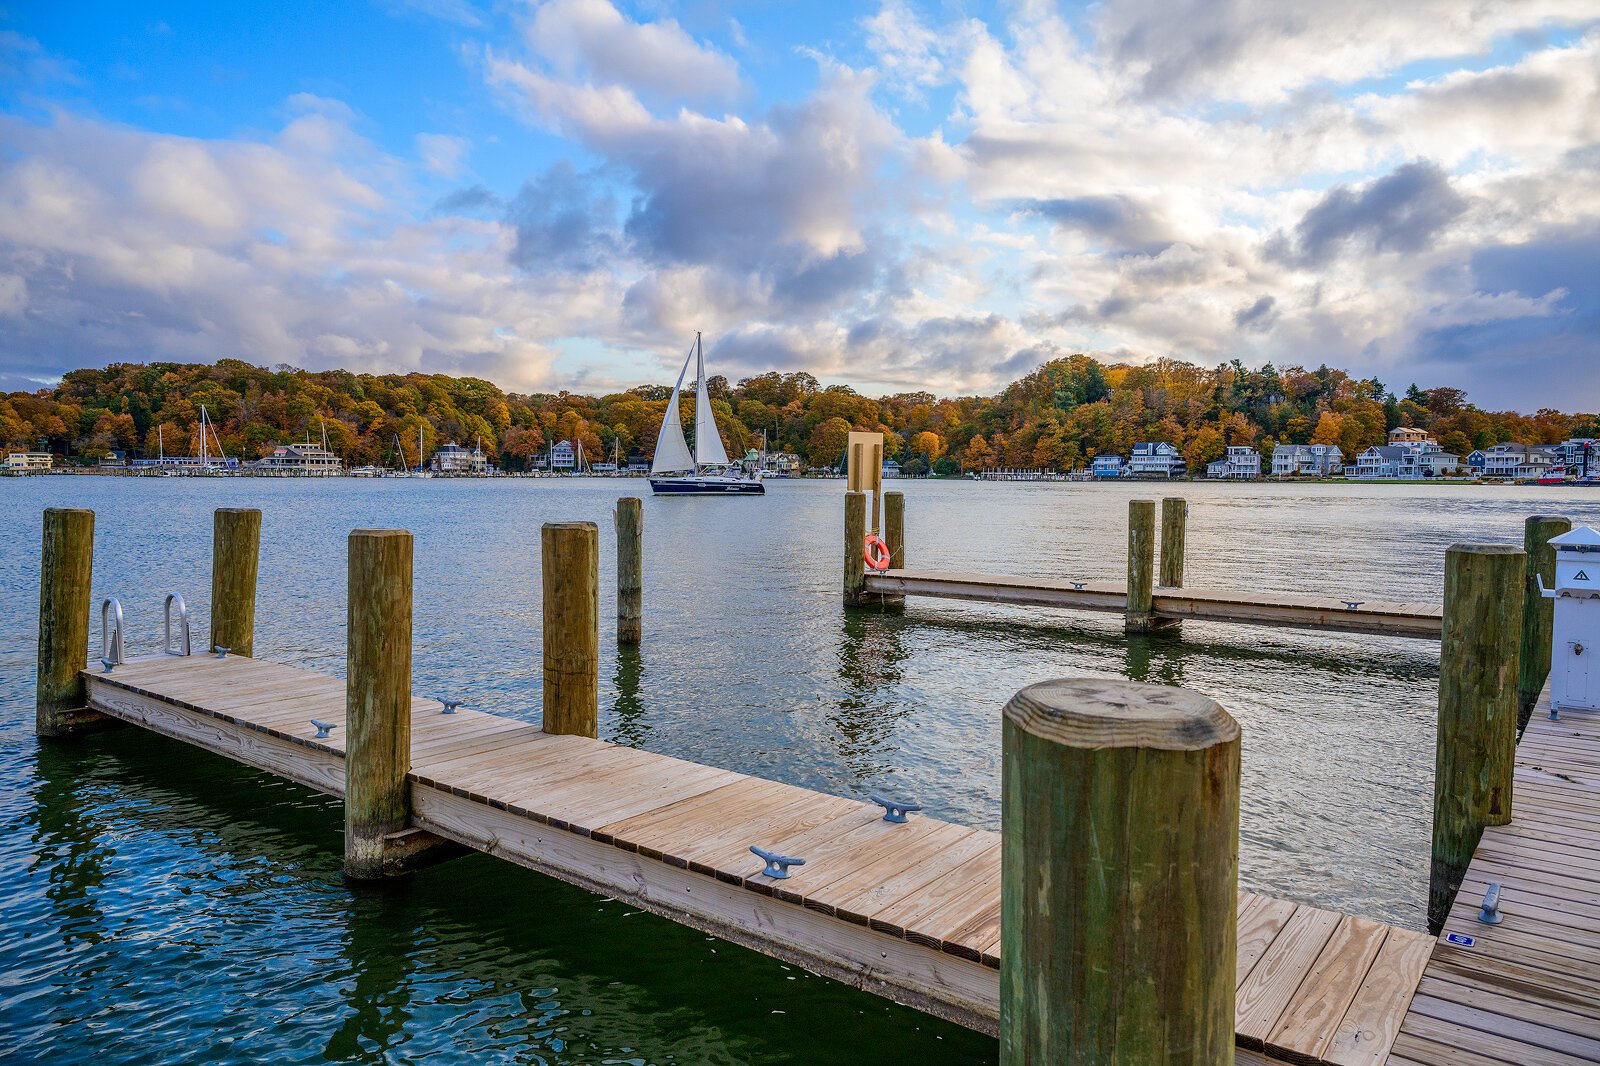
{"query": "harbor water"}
{"type": "Point", "coordinates": [164, 905]}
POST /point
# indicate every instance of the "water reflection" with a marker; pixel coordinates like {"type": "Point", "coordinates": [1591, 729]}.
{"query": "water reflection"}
{"type": "Point", "coordinates": [70, 843]}
{"type": "Point", "coordinates": [867, 715]}
{"type": "Point", "coordinates": [377, 997]}
{"type": "Point", "coordinates": [629, 724]}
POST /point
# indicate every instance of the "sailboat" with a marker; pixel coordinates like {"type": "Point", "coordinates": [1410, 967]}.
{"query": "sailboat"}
{"type": "Point", "coordinates": [676, 471]}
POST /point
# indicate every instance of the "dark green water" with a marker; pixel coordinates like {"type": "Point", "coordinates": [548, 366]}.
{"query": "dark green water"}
{"type": "Point", "coordinates": [162, 905]}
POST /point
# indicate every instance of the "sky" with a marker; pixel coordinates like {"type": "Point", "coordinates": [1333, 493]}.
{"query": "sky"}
{"type": "Point", "coordinates": [557, 195]}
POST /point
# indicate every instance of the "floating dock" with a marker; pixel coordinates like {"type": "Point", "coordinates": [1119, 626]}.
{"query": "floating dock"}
{"type": "Point", "coordinates": [1421, 620]}
{"type": "Point", "coordinates": [910, 911]}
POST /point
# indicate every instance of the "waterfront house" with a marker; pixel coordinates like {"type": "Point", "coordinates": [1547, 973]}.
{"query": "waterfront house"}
{"type": "Point", "coordinates": [1428, 460]}
{"type": "Point", "coordinates": [298, 460]}
{"type": "Point", "coordinates": [891, 468]}
{"type": "Point", "coordinates": [1240, 464]}
{"type": "Point", "coordinates": [1156, 459]}
{"type": "Point", "coordinates": [454, 459]}
{"type": "Point", "coordinates": [1510, 460]}
{"type": "Point", "coordinates": [1476, 462]}
{"type": "Point", "coordinates": [1404, 435]}
{"type": "Point", "coordinates": [29, 462]}
{"type": "Point", "coordinates": [1307, 460]}
{"type": "Point", "coordinates": [563, 456]}
{"type": "Point", "coordinates": [638, 464]}
{"type": "Point", "coordinates": [1581, 456]}
{"type": "Point", "coordinates": [1378, 461]}
{"type": "Point", "coordinates": [1107, 466]}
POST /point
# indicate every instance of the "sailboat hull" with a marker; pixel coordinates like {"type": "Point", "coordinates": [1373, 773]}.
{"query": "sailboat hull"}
{"type": "Point", "coordinates": [706, 486]}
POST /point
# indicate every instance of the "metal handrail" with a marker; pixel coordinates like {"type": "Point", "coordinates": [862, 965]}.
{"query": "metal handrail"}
{"type": "Point", "coordinates": [184, 645]}
{"type": "Point", "coordinates": [111, 653]}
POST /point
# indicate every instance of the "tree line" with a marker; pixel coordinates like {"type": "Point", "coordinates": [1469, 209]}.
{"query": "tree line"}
{"type": "Point", "coordinates": [1057, 418]}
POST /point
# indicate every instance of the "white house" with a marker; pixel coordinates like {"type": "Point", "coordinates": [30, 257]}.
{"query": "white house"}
{"type": "Point", "coordinates": [562, 456]}
{"type": "Point", "coordinates": [1509, 459]}
{"type": "Point", "coordinates": [1241, 464]}
{"type": "Point", "coordinates": [1156, 459]}
{"type": "Point", "coordinates": [29, 462]}
{"type": "Point", "coordinates": [1107, 466]}
{"type": "Point", "coordinates": [454, 459]}
{"type": "Point", "coordinates": [891, 468]}
{"type": "Point", "coordinates": [304, 460]}
{"type": "Point", "coordinates": [1307, 460]}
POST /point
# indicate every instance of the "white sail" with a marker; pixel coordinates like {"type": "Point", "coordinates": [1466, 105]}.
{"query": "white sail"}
{"type": "Point", "coordinates": [672, 451]}
{"type": "Point", "coordinates": [707, 440]}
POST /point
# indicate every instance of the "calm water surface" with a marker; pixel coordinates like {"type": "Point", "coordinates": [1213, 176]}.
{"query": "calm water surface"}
{"type": "Point", "coordinates": [162, 905]}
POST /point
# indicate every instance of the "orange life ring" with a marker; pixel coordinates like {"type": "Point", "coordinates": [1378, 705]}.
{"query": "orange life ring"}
{"type": "Point", "coordinates": [877, 552]}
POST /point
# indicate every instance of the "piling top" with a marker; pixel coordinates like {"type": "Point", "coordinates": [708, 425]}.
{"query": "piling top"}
{"type": "Point", "coordinates": [1486, 549]}
{"type": "Point", "coordinates": [238, 510]}
{"type": "Point", "coordinates": [1089, 712]}
{"type": "Point", "coordinates": [68, 510]}
{"type": "Point", "coordinates": [380, 533]}
{"type": "Point", "coordinates": [572, 525]}
{"type": "Point", "coordinates": [1548, 518]}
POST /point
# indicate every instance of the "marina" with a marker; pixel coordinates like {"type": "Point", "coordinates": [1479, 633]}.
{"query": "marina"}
{"type": "Point", "coordinates": [1201, 541]}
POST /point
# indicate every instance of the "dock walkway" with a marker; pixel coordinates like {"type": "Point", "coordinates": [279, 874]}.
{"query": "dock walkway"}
{"type": "Point", "coordinates": [909, 911]}
{"type": "Point", "coordinates": [1422, 620]}
{"type": "Point", "coordinates": [1526, 990]}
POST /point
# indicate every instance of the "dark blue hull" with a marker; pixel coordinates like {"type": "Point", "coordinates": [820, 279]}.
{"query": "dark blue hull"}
{"type": "Point", "coordinates": [695, 486]}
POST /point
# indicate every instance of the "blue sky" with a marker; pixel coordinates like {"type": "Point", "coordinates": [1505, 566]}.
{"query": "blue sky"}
{"type": "Point", "coordinates": [556, 194]}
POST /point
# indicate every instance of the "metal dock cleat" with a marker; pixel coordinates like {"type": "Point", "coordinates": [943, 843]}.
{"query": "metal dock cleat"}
{"type": "Point", "coordinates": [450, 706]}
{"type": "Point", "coordinates": [1489, 913]}
{"type": "Point", "coordinates": [222, 653]}
{"type": "Point", "coordinates": [894, 811]}
{"type": "Point", "coordinates": [323, 728]}
{"type": "Point", "coordinates": [1351, 605]}
{"type": "Point", "coordinates": [777, 865]}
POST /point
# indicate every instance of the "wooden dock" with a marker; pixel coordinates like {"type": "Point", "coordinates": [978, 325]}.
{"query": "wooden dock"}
{"type": "Point", "coordinates": [909, 911]}
{"type": "Point", "coordinates": [1173, 604]}
{"type": "Point", "coordinates": [1526, 990]}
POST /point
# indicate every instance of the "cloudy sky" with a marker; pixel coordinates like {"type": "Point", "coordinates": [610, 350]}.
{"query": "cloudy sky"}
{"type": "Point", "coordinates": [557, 195]}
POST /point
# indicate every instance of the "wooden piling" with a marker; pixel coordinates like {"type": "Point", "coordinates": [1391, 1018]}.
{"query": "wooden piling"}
{"type": "Point", "coordinates": [1476, 745]}
{"type": "Point", "coordinates": [570, 564]}
{"type": "Point", "coordinates": [377, 698]}
{"type": "Point", "coordinates": [894, 528]}
{"type": "Point", "coordinates": [1538, 613]}
{"type": "Point", "coordinates": [855, 537]}
{"type": "Point", "coordinates": [66, 565]}
{"type": "Point", "coordinates": [1119, 852]}
{"type": "Point", "coordinates": [1174, 523]}
{"type": "Point", "coordinates": [235, 558]}
{"type": "Point", "coordinates": [1141, 566]}
{"type": "Point", "coordinates": [630, 570]}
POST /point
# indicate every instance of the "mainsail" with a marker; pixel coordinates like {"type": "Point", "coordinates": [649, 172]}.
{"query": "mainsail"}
{"type": "Point", "coordinates": [707, 441]}
{"type": "Point", "coordinates": [672, 451]}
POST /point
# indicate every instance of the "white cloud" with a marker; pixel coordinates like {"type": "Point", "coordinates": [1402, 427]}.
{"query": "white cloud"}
{"type": "Point", "coordinates": [442, 154]}
{"type": "Point", "coordinates": [592, 39]}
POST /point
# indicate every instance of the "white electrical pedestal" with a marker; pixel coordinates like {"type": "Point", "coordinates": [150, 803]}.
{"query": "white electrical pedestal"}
{"type": "Point", "coordinates": [1574, 676]}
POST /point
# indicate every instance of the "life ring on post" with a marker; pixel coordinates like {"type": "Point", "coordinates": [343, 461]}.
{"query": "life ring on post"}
{"type": "Point", "coordinates": [877, 553]}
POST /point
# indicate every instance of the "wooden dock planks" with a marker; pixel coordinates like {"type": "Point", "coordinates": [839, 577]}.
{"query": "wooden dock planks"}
{"type": "Point", "coordinates": [1250, 608]}
{"type": "Point", "coordinates": [1527, 990]}
{"type": "Point", "coordinates": [909, 911]}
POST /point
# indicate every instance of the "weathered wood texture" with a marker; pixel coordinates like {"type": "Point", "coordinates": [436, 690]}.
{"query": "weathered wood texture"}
{"type": "Point", "coordinates": [865, 471]}
{"type": "Point", "coordinates": [377, 697]}
{"type": "Point", "coordinates": [570, 558]}
{"type": "Point", "coordinates": [1538, 613]}
{"type": "Point", "coordinates": [65, 576]}
{"type": "Point", "coordinates": [911, 912]}
{"type": "Point", "coordinates": [894, 528]}
{"type": "Point", "coordinates": [1217, 605]}
{"type": "Point", "coordinates": [630, 570]}
{"type": "Point", "coordinates": [1174, 527]}
{"type": "Point", "coordinates": [1139, 616]}
{"type": "Point", "coordinates": [1120, 827]}
{"type": "Point", "coordinates": [235, 560]}
{"type": "Point", "coordinates": [855, 536]}
{"type": "Point", "coordinates": [1526, 990]}
{"type": "Point", "coordinates": [1477, 723]}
